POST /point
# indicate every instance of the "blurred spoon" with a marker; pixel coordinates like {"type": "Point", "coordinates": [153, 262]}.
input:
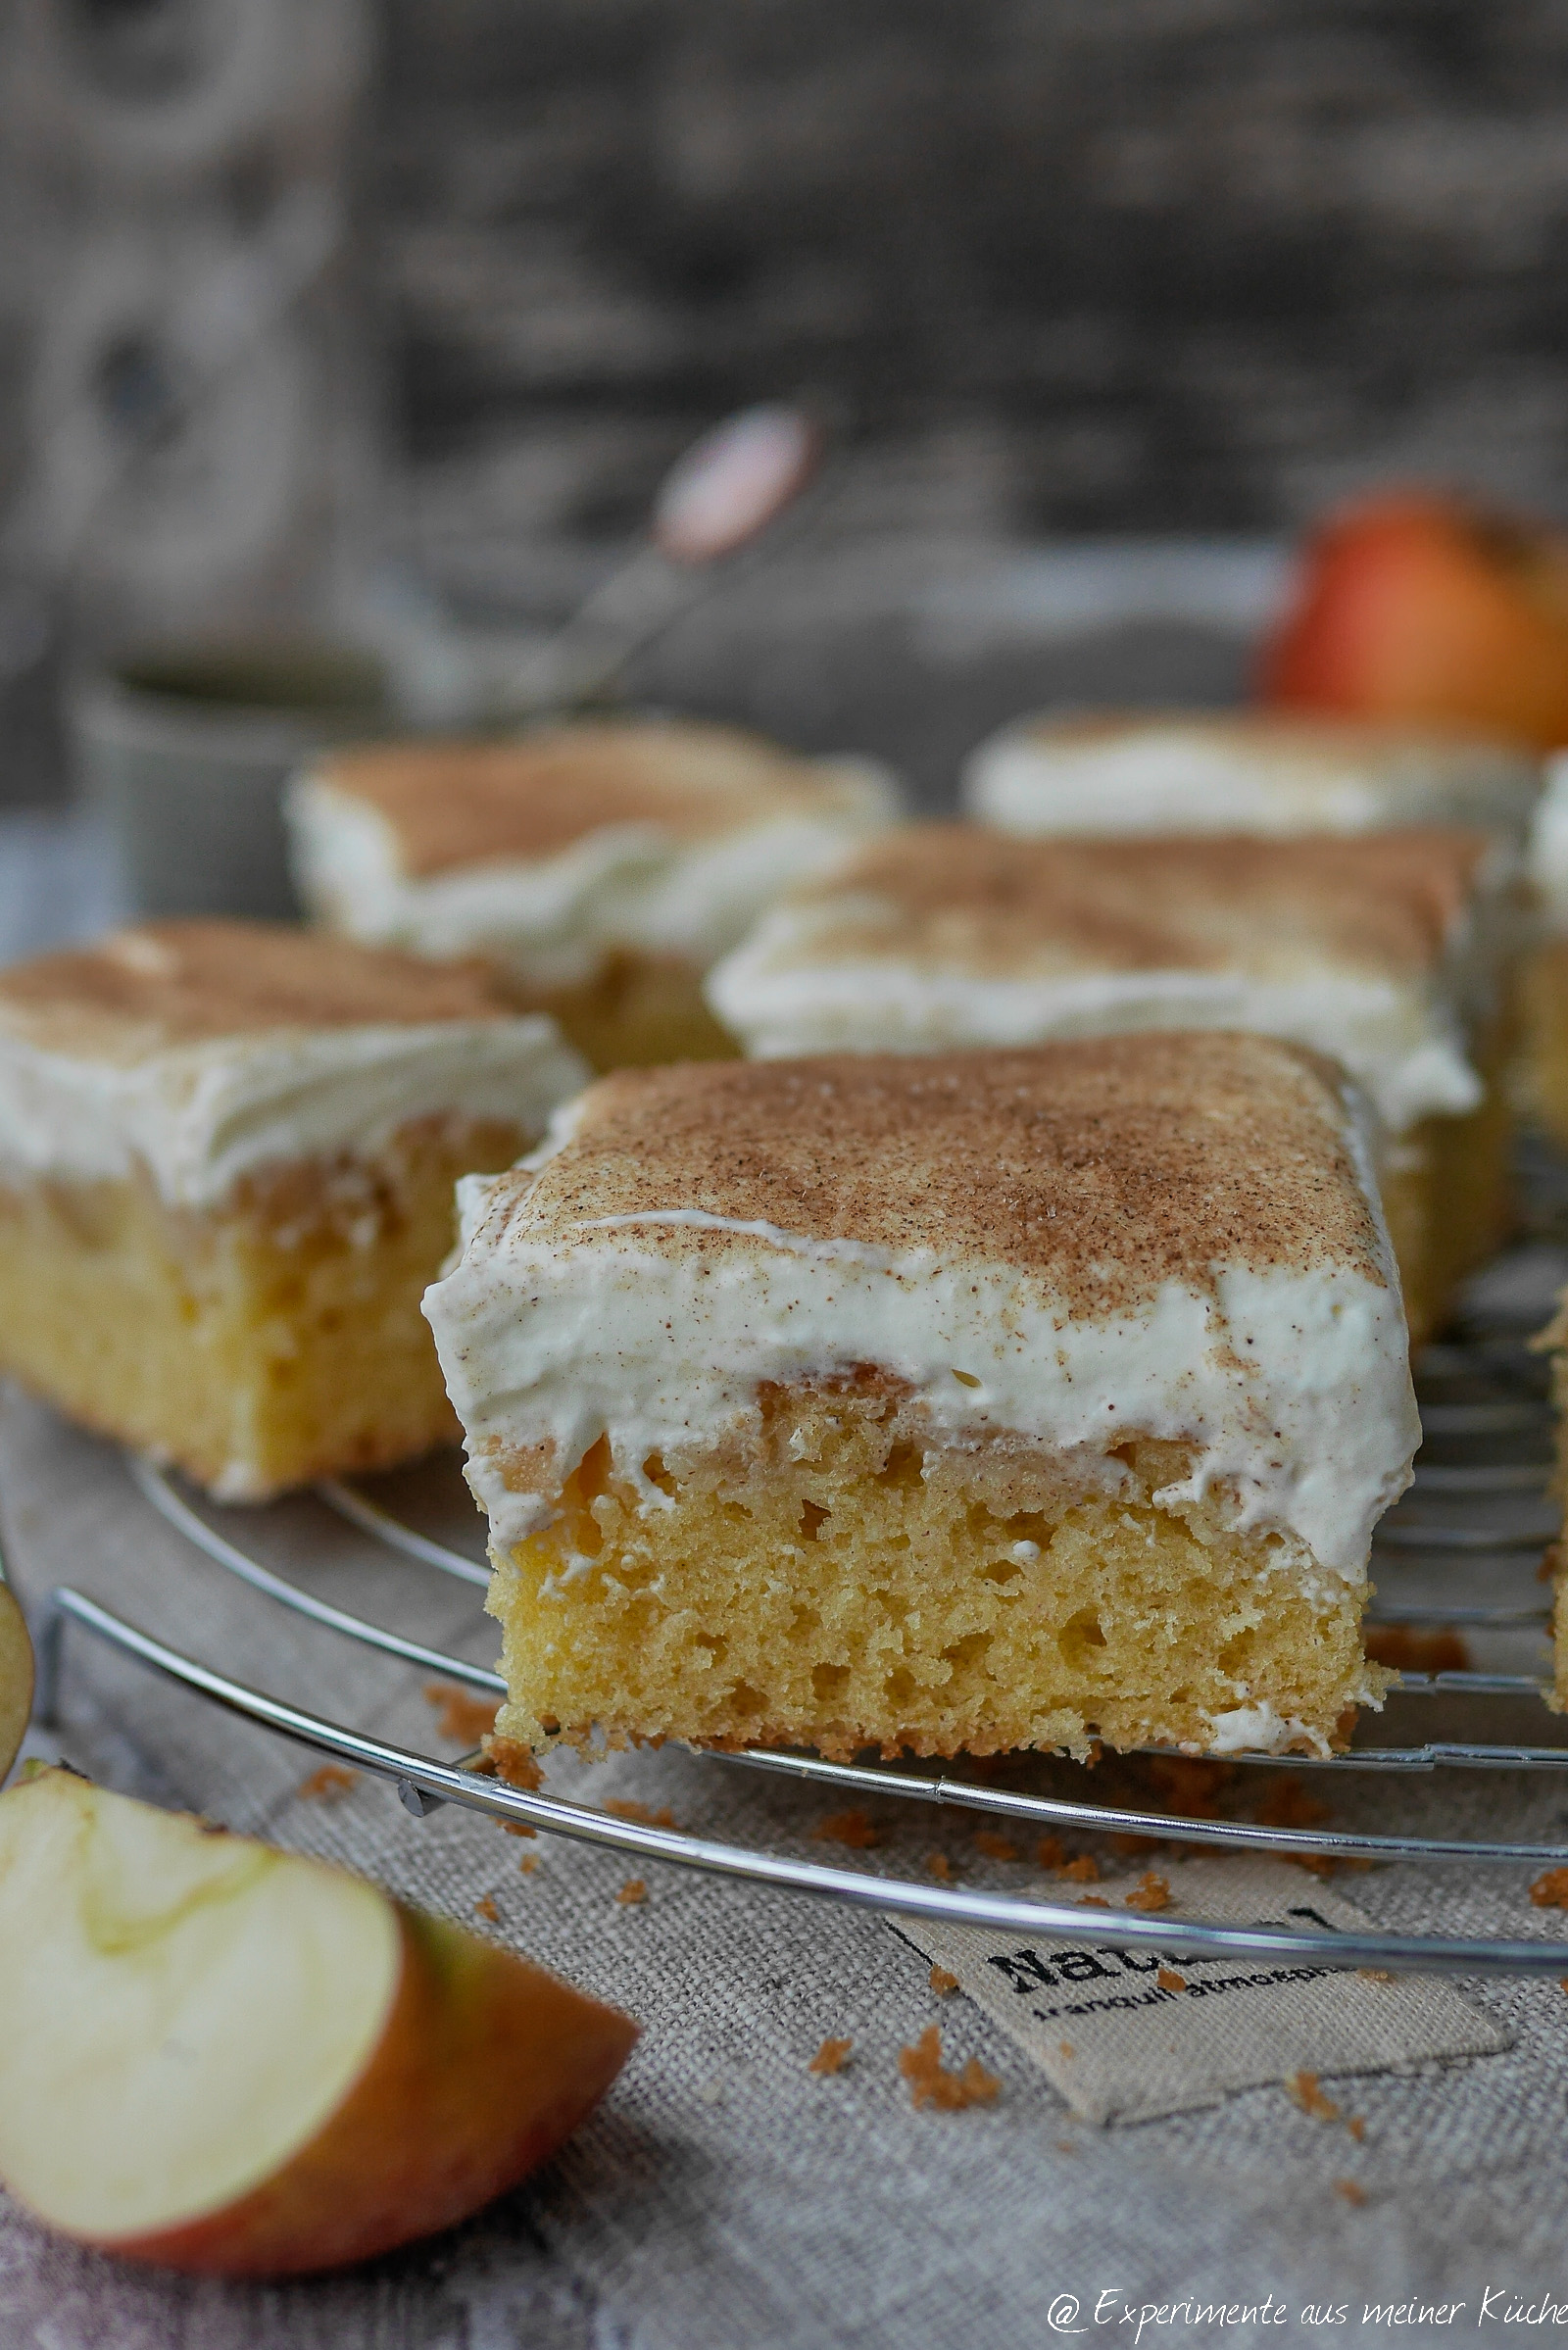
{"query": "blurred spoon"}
{"type": "Point", "coordinates": [720, 496]}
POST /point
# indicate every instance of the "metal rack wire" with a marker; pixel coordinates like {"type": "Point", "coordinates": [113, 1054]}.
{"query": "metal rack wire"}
{"type": "Point", "coordinates": [1434, 1531]}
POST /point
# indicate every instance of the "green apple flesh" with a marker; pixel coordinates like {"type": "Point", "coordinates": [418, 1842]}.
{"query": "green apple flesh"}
{"type": "Point", "coordinates": [16, 1677]}
{"type": "Point", "coordinates": [230, 2059]}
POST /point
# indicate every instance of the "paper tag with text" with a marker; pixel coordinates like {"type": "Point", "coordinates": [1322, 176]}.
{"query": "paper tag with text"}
{"type": "Point", "coordinates": [1129, 2034]}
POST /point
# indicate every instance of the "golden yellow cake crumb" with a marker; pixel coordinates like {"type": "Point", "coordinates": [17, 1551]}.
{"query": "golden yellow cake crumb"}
{"type": "Point", "coordinates": [994, 1847]}
{"type": "Point", "coordinates": [851, 1827]}
{"type": "Point", "coordinates": [930, 2083]}
{"type": "Point", "coordinates": [460, 1717]}
{"type": "Point", "coordinates": [831, 2056]}
{"type": "Point", "coordinates": [1304, 2091]}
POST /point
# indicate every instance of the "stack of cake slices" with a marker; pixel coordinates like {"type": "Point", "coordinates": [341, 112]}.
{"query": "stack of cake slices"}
{"type": "Point", "coordinates": [1011, 1352]}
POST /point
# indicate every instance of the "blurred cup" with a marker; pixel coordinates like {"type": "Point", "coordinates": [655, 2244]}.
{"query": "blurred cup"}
{"type": "Point", "coordinates": [183, 748]}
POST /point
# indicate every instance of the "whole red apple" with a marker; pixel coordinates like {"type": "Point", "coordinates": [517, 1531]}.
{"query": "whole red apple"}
{"type": "Point", "coordinates": [1419, 607]}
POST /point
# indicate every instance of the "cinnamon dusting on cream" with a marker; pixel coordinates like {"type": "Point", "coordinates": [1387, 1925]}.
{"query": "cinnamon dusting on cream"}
{"type": "Point", "coordinates": [953, 898]}
{"type": "Point", "coordinates": [1102, 1169]}
{"type": "Point", "coordinates": [158, 986]}
{"type": "Point", "coordinates": [450, 804]}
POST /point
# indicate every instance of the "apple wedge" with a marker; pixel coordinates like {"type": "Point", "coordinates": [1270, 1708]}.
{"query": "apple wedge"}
{"type": "Point", "coordinates": [233, 2060]}
{"type": "Point", "coordinates": [16, 1677]}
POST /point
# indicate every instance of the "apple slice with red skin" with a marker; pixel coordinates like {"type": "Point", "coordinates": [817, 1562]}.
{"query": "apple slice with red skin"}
{"type": "Point", "coordinates": [233, 2060]}
{"type": "Point", "coordinates": [16, 1677]}
{"type": "Point", "coordinates": [1425, 610]}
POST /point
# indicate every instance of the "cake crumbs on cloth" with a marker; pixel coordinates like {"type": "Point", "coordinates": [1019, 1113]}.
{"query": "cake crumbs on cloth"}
{"type": "Point", "coordinates": [485, 1908]}
{"type": "Point", "coordinates": [931, 2083]}
{"type": "Point", "coordinates": [1050, 1853]}
{"type": "Point", "coordinates": [1150, 1892]}
{"type": "Point", "coordinates": [1385, 1973]}
{"type": "Point", "coordinates": [1550, 1892]}
{"type": "Point", "coordinates": [1302, 2089]}
{"type": "Point", "coordinates": [1409, 1650]}
{"type": "Point", "coordinates": [942, 1981]}
{"type": "Point", "coordinates": [831, 2056]}
{"type": "Point", "coordinates": [624, 1807]}
{"type": "Point", "coordinates": [938, 1864]}
{"type": "Point", "coordinates": [512, 1762]}
{"type": "Point", "coordinates": [1084, 1870]}
{"type": "Point", "coordinates": [1288, 1804]}
{"type": "Point", "coordinates": [1349, 2191]}
{"type": "Point", "coordinates": [631, 1892]}
{"type": "Point", "coordinates": [517, 1827]}
{"type": "Point", "coordinates": [994, 1847]}
{"type": "Point", "coordinates": [1355, 2124]}
{"type": "Point", "coordinates": [527, 1865]}
{"type": "Point", "coordinates": [329, 1785]}
{"type": "Point", "coordinates": [851, 1827]}
{"type": "Point", "coordinates": [1190, 1784]}
{"type": "Point", "coordinates": [1092, 1901]}
{"type": "Point", "coordinates": [463, 1718]}
{"type": "Point", "coordinates": [1170, 1981]}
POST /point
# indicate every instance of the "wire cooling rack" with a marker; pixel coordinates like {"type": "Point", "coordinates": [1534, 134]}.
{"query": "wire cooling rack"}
{"type": "Point", "coordinates": [1461, 1556]}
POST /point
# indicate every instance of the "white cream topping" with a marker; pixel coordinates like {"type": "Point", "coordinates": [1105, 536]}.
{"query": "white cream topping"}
{"type": "Point", "coordinates": [553, 919]}
{"type": "Point", "coordinates": [1403, 1035]}
{"type": "Point", "coordinates": [201, 1116]}
{"type": "Point", "coordinates": [1200, 777]}
{"type": "Point", "coordinates": [1292, 1386]}
{"type": "Point", "coordinates": [1403, 1043]}
{"type": "Point", "coordinates": [1259, 1730]}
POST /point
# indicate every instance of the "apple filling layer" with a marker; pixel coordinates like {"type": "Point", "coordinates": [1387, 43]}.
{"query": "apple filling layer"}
{"type": "Point", "coordinates": [637, 1012]}
{"type": "Point", "coordinates": [839, 1579]}
{"type": "Point", "coordinates": [272, 1340]}
{"type": "Point", "coordinates": [1446, 1198]}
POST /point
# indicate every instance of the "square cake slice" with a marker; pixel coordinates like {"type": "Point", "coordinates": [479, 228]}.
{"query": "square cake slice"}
{"type": "Point", "coordinates": [228, 1155]}
{"type": "Point", "coordinates": [1261, 772]}
{"type": "Point", "coordinates": [600, 868]}
{"type": "Point", "coordinates": [996, 1399]}
{"type": "Point", "coordinates": [1391, 952]}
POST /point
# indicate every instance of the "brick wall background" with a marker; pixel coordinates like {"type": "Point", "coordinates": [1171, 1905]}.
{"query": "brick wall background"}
{"type": "Point", "coordinates": [1057, 265]}
{"type": "Point", "coordinates": [1053, 268]}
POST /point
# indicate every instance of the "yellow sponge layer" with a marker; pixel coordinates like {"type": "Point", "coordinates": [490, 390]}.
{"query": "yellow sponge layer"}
{"type": "Point", "coordinates": [843, 1581]}
{"type": "Point", "coordinates": [1446, 1197]}
{"type": "Point", "coordinates": [638, 1011]}
{"type": "Point", "coordinates": [272, 1341]}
